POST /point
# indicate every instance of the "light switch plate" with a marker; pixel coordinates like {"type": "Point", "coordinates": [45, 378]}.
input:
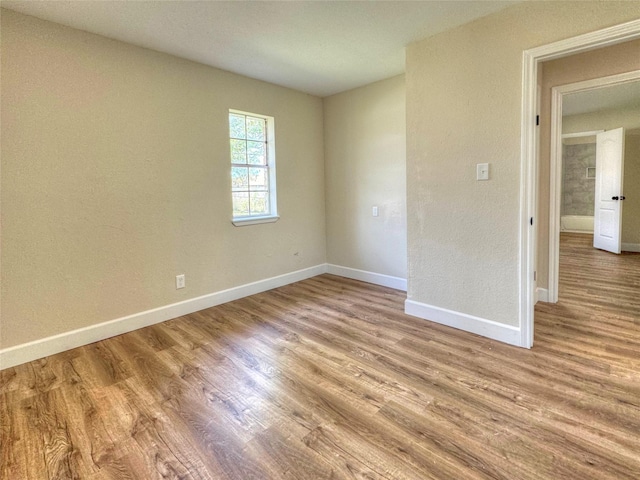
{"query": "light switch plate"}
{"type": "Point", "coordinates": [482, 171]}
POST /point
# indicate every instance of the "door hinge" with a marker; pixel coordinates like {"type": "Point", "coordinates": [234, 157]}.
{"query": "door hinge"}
{"type": "Point", "coordinates": [531, 221]}
{"type": "Point", "coordinates": [537, 120]}
{"type": "Point", "coordinates": [535, 276]}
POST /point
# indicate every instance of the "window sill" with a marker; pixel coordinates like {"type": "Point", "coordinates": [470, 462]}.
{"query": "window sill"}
{"type": "Point", "coordinates": [243, 222]}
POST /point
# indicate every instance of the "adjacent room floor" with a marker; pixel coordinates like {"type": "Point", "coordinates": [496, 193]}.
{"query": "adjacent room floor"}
{"type": "Point", "coordinates": [328, 378]}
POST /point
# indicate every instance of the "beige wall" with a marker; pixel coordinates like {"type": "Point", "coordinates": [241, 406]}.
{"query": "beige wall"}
{"type": "Point", "coordinates": [115, 178]}
{"type": "Point", "coordinates": [365, 158]}
{"type": "Point", "coordinates": [629, 118]}
{"type": "Point", "coordinates": [631, 189]}
{"type": "Point", "coordinates": [464, 96]}
{"type": "Point", "coordinates": [576, 68]}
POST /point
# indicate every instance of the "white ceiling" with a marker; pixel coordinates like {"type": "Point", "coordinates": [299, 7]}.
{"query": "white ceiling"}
{"type": "Point", "coordinates": [318, 47]}
{"type": "Point", "coordinates": [623, 96]}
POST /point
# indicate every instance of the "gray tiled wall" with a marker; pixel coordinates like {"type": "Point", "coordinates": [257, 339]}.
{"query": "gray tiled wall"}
{"type": "Point", "coordinates": [578, 191]}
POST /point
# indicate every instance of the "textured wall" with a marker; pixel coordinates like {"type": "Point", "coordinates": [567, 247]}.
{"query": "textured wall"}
{"type": "Point", "coordinates": [578, 191]}
{"type": "Point", "coordinates": [631, 188]}
{"type": "Point", "coordinates": [115, 178]}
{"type": "Point", "coordinates": [629, 118]}
{"type": "Point", "coordinates": [365, 163]}
{"type": "Point", "coordinates": [464, 96]}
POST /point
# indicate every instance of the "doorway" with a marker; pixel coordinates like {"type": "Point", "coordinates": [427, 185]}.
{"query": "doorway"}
{"type": "Point", "coordinates": [608, 92]}
{"type": "Point", "coordinates": [529, 188]}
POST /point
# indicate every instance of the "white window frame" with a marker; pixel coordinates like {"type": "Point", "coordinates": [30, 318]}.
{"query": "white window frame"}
{"type": "Point", "coordinates": [272, 216]}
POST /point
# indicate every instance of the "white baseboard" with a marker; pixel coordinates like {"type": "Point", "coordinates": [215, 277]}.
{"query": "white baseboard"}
{"type": "Point", "coordinates": [583, 232]}
{"type": "Point", "coordinates": [542, 295]}
{"type": "Point", "coordinates": [631, 247]}
{"type": "Point", "coordinates": [469, 323]}
{"type": "Point", "coordinates": [370, 277]}
{"type": "Point", "coordinates": [27, 352]}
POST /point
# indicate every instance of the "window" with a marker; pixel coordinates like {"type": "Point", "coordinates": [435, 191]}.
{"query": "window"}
{"type": "Point", "coordinates": [253, 169]}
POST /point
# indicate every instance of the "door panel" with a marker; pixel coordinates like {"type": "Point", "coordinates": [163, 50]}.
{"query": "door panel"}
{"type": "Point", "coordinates": [609, 175]}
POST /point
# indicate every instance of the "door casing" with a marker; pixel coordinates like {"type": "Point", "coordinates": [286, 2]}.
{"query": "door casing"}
{"type": "Point", "coordinates": [555, 167]}
{"type": "Point", "coordinates": [529, 163]}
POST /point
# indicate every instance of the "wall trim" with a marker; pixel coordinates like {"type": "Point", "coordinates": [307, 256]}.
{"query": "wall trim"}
{"type": "Point", "coordinates": [44, 347]}
{"type": "Point", "coordinates": [631, 247]}
{"type": "Point", "coordinates": [582, 232]}
{"type": "Point", "coordinates": [370, 277]}
{"type": "Point", "coordinates": [542, 295]}
{"type": "Point", "coordinates": [462, 321]}
{"type": "Point", "coordinates": [27, 352]}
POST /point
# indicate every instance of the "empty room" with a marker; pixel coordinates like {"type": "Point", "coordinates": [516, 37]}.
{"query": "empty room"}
{"type": "Point", "coordinates": [319, 240]}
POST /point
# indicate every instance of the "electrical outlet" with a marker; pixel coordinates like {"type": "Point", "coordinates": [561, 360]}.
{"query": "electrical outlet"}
{"type": "Point", "coordinates": [180, 281]}
{"type": "Point", "coordinates": [374, 211]}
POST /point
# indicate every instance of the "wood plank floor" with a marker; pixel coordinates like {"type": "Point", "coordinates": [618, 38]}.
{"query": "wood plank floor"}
{"type": "Point", "coordinates": [328, 379]}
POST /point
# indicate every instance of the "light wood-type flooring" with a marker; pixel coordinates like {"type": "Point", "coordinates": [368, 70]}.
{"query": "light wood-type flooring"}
{"type": "Point", "coordinates": [329, 379]}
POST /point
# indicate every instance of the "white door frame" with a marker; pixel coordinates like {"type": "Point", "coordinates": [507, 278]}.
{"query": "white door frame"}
{"type": "Point", "coordinates": [555, 167]}
{"type": "Point", "coordinates": [528, 161]}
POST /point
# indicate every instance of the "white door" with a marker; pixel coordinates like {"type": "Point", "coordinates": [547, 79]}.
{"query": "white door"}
{"type": "Point", "coordinates": [609, 196]}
